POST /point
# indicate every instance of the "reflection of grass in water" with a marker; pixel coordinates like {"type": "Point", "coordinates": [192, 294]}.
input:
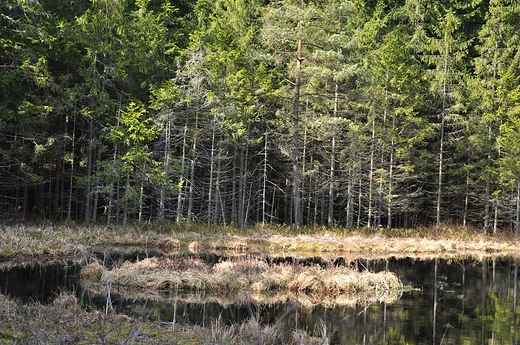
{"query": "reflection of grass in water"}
{"type": "Point", "coordinates": [310, 285]}
{"type": "Point", "coordinates": [64, 322]}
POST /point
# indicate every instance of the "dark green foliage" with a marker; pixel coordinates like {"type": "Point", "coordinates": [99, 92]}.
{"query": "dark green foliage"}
{"type": "Point", "coordinates": [151, 110]}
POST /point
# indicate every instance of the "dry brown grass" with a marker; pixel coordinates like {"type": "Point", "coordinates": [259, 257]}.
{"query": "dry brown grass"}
{"type": "Point", "coordinates": [64, 322]}
{"type": "Point", "coordinates": [314, 284]}
{"type": "Point", "coordinates": [49, 241]}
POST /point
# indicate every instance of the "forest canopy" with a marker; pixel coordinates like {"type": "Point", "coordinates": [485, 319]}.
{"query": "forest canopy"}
{"type": "Point", "coordinates": [359, 113]}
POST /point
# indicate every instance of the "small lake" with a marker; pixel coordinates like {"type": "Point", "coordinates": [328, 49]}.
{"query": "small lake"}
{"type": "Point", "coordinates": [464, 301]}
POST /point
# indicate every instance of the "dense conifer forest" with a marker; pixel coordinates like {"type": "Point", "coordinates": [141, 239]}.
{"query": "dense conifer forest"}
{"type": "Point", "coordinates": [362, 113]}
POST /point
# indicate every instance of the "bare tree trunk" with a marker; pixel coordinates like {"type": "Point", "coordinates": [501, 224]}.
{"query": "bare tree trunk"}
{"type": "Point", "coordinates": [390, 185]}
{"type": "Point", "coordinates": [88, 196]}
{"type": "Point", "coordinates": [348, 208]}
{"type": "Point", "coordinates": [71, 179]}
{"type": "Point", "coordinates": [441, 140]}
{"type": "Point", "coordinates": [192, 172]}
{"type": "Point", "coordinates": [517, 225]}
{"type": "Point", "coordinates": [487, 196]}
{"type": "Point", "coordinates": [141, 202]}
{"type": "Point", "coordinates": [126, 203]}
{"type": "Point", "coordinates": [371, 177]}
{"type": "Point", "coordinates": [166, 162]}
{"type": "Point", "coordinates": [178, 217]}
{"type": "Point", "coordinates": [298, 218]}
{"type": "Point", "coordinates": [96, 189]}
{"type": "Point", "coordinates": [360, 200]}
{"type": "Point", "coordinates": [211, 171]}
{"type": "Point", "coordinates": [264, 183]}
{"type": "Point", "coordinates": [330, 220]}
{"type": "Point", "coordinates": [114, 157]}
{"type": "Point", "coordinates": [466, 202]}
{"type": "Point", "coordinates": [242, 186]}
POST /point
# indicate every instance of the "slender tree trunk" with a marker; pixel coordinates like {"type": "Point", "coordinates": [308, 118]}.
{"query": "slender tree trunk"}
{"type": "Point", "coordinates": [371, 176]}
{"type": "Point", "coordinates": [211, 171]}
{"type": "Point", "coordinates": [71, 179]}
{"type": "Point", "coordinates": [466, 202]}
{"type": "Point", "coordinates": [517, 225]}
{"type": "Point", "coordinates": [141, 202]}
{"type": "Point", "coordinates": [126, 203]}
{"type": "Point", "coordinates": [88, 196]}
{"type": "Point", "coordinates": [178, 217]}
{"type": "Point", "coordinates": [440, 173]}
{"type": "Point", "coordinates": [348, 208]}
{"type": "Point", "coordinates": [192, 172]}
{"type": "Point", "coordinates": [114, 158]}
{"type": "Point", "coordinates": [330, 220]}
{"type": "Point", "coordinates": [495, 217]}
{"type": "Point", "coordinates": [242, 184]}
{"type": "Point", "coordinates": [390, 185]}
{"type": "Point", "coordinates": [298, 218]}
{"type": "Point", "coordinates": [487, 197]}
{"type": "Point", "coordinates": [264, 183]}
{"type": "Point", "coordinates": [166, 162]}
{"type": "Point", "coordinates": [234, 194]}
{"type": "Point", "coordinates": [441, 139]}
{"type": "Point", "coordinates": [96, 189]}
{"type": "Point", "coordinates": [360, 200]}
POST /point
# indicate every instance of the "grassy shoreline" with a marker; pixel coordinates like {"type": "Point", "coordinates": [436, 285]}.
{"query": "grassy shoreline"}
{"type": "Point", "coordinates": [26, 242]}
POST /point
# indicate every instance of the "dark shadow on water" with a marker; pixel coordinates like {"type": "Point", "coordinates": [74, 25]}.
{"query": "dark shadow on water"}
{"type": "Point", "coordinates": [453, 301]}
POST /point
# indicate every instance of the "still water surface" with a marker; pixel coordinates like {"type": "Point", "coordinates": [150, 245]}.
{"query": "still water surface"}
{"type": "Point", "coordinates": [463, 301]}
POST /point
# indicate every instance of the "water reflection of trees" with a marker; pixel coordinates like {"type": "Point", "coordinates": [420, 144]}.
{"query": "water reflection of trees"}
{"type": "Point", "coordinates": [456, 301]}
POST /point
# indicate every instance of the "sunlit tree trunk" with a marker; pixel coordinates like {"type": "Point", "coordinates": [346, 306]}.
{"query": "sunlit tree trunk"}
{"type": "Point", "coordinates": [242, 186]}
{"type": "Point", "coordinates": [264, 183]}
{"type": "Point", "coordinates": [126, 203]}
{"type": "Point", "coordinates": [330, 219]}
{"type": "Point", "coordinates": [211, 172]}
{"type": "Point", "coordinates": [296, 178]}
{"type": "Point", "coordinates": [517, 225]}
{"type": "Point", "coordinates": [180, 195]}
{"type": "Point", "coordinates": [191, 193]}
{"type": "Point", "coordinates": [348, 207]}
{"type": "Point", "coordinates": [371, 177]}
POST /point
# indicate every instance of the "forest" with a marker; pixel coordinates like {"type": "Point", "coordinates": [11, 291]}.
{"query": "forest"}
{"type": "Point", "coordinates": [337, 113]}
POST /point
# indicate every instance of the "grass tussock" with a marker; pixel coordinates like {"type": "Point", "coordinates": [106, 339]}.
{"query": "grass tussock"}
{"type": "Point", "coordinates": [314, 284]}
{"type": "Point", "coordinates": [64, 322]}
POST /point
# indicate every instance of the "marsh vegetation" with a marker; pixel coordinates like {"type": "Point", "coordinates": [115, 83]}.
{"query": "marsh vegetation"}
{"type": "Point", "coordinates": [307, 273]}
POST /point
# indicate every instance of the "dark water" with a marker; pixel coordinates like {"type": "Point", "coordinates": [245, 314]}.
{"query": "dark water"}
{"type": "Point", "coordinates": [455, 302]}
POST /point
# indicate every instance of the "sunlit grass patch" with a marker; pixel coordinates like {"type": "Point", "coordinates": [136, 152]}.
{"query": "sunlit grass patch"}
{"type": "Point", "coordinates": [247, 274]}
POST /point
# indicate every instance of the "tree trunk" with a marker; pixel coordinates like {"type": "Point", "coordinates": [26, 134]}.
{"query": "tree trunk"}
{"type": "Point", "coordinates": [178, 217]}
{"type": "Point", "coordinates": [126, 203]}
{"type": "Point", "coordinates": [517, 225]}
{"type": "Point", "coordinates": [330, 220]}
{"type": "Point", "coordinates": [371, 177]}
{"type": "Point", "coordinates": [298, 218]}
{"type": "Point", "coordinates": [264, 183]}
{"type": "Point", "coordinates": [71, 179]}
{"type": "Point", "coordinates": [211, 171]}
{"type": "Point", "coordinates": [88, 196]}
{"type": "Point", "coordinates": [192, 172]}
{"type": "Point", "coordinates": [441, 139]}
